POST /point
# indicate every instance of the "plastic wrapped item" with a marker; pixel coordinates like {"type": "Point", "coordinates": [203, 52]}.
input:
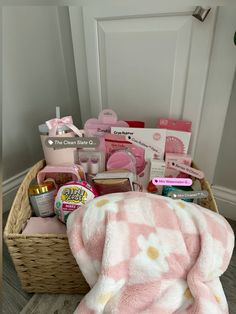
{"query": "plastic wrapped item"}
{"type": "Point", "coordinates": [71, 196]}
{"type": "Point", "coordinates": [115, 181]}
{"type": "Point", "coordinates": [122, 159]}
{"type": "Point", "coordinates": [118, 142]}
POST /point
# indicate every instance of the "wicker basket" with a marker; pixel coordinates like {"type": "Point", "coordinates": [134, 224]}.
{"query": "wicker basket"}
{"type": "Point", "coordinates": [44, 263]}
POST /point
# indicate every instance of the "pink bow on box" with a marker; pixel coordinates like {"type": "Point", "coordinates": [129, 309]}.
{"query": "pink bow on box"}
{"type": "Point", "coordinates": [53, 125]}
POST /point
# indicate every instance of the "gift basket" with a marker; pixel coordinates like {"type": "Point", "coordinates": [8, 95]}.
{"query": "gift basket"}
{"type": "Point", "coordinates": [107, 156]}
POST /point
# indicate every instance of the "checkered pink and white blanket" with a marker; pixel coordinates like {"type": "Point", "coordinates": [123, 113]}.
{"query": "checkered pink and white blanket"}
{"type": "Point", "coordinates": [142, 253]}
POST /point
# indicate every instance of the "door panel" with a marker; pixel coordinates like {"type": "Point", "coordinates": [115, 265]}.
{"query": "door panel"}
{"type": "Point", "coordinates": [143, 64]}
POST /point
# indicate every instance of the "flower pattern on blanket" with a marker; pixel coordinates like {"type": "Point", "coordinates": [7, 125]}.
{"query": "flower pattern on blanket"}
{"type": "Point", "coordinates": [152, 255]}
{"type": "Point", "coordinates": [148, 254]}
{"type": "Point", "coordinates": [102, 292]}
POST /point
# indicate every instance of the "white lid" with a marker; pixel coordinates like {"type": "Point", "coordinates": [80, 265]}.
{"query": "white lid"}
{"type": "Point", "coordinates": [43, 128]}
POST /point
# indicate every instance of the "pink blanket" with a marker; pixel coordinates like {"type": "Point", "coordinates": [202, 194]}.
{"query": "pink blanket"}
{"type": "Point", "coordinates": [142, 253]}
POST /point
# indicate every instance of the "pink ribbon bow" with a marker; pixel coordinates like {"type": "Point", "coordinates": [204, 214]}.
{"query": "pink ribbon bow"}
{"type": "Point", "coordinates": [53, 125]}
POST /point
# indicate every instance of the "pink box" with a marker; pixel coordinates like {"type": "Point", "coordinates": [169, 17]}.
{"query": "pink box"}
{"type": "Point", "coordinates": [174, 124]}
{"type": "Point", "coordinates": [180, 158]}
{"type": "Point", "coordinates": [177, 142]}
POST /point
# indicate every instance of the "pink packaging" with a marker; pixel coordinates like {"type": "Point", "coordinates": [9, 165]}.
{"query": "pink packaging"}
{"type": "Point", "coordinates": [45, 225]}
{"type": "Point", "coordinates": [61, 174]}
{"type": "Point", "coordinates": [118, 142]}
{"type": "Point", "coordinates": [72, 196]}
{"type": "Point", "coordinates": [180, 158]}
{"type": "Point", "coordinates": [101, 126]}
{"type": "Point", "coordinates": [177, 142]}
{"type": "Point", "coordinates": [122, 159]}
{"type": "Point", "coordinates": [174, 124]}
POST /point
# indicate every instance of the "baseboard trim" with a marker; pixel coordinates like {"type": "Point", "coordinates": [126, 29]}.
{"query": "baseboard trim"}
{"type": "Point", "coordinates": [226, 201]}
{"type": "Point", "coordinates": [10, 187]}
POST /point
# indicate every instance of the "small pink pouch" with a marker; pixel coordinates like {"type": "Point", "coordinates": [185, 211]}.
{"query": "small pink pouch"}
{"type": "Point", "coordinates": [39, 225]}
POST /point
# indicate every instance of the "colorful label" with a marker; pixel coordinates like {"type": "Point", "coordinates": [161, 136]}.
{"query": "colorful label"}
{"type": "Point", "coordinates": [74, 194]}
{"type": "Point", "coordinates": [70, 197]}
{"type": "Point", "coordinates": [42, 204]}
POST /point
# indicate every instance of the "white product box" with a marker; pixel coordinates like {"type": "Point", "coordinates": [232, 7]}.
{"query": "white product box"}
{"type": "Point", "coordinates": [152, 140]}
{"type": "Point", "coordinates": [157, 170]}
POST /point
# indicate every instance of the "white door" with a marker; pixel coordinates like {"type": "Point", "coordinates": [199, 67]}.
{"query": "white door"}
{"type": "Point", "coordinates": [144, 62]}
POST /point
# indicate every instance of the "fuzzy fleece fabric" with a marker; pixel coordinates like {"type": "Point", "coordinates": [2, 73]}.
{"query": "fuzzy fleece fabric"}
{"type": "Point", "coordinates": [143, 253]}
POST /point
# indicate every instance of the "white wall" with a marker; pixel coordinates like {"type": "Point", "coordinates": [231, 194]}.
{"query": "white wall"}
{"type": "Point", "coordinates": [38, 74]}
{"type": "Point", "coordinates": [225, 174]}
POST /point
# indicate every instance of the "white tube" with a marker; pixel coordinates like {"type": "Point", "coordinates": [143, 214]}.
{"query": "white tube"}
{"type": "Point", "coordinates": [58, 113]}
{"type": "Point", "coordinates": [94, 166]}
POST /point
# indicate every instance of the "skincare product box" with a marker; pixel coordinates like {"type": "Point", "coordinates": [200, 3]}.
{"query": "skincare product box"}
{"type": "Point", "coordinates": [176, 158]}
{"type": "Point", "coordinates": [151, 140]}
{"type": "Point", "coordinates": [157, 170]}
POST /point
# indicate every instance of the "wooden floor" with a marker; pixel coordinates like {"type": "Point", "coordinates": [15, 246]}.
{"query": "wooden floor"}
{"type": "Point", "coordinates": [14, 299]}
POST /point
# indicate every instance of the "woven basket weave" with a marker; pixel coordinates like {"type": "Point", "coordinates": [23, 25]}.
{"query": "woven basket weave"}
{"type": "Point", "coordinates": [44, 262]}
